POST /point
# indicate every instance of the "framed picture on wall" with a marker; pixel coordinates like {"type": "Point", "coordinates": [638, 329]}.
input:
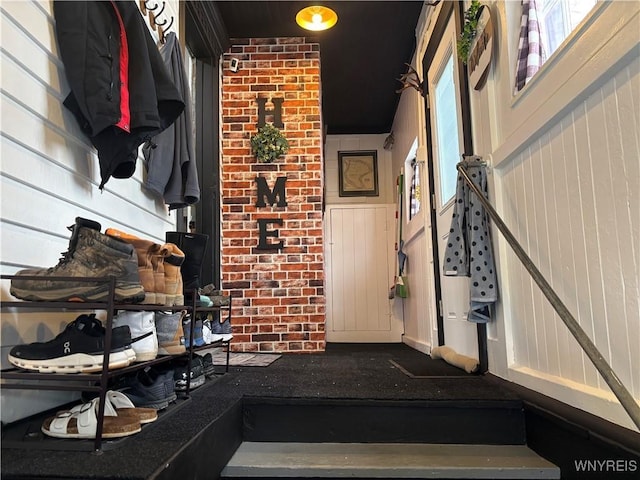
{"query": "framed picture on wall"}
{"type": "Point", "coordinates": [358, 173]}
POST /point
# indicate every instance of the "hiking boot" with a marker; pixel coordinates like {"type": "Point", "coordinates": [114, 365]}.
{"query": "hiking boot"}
{"type": "Point", "coordinates": [173, 260]}
{"type": "Point", "coordinates": [77, 349]}
{"type": "Point", "coordinates": [148, 265]}
{"type": "Point", "coordinates": [170, 333]}
{"type": "Point", "coordinates": [144, 340]}
{"type": "Point", "coordinates": [90, 254]}
{"type": "Point", "coordinates": [157, 263]}
{"type": "Point", "coordinates": [196, 376]}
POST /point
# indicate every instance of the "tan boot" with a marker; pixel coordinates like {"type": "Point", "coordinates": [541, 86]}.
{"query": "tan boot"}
{"type": "Point", "coordinates": [158, 255]}
{"type": "Point", "coordinates": [173, 260]}
{"type": "Point", "coordinates": [145, 250]}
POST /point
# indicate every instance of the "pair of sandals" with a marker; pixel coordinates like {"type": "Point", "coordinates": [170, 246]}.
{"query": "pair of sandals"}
{"type": "Point", "coordinates": [121, 418]}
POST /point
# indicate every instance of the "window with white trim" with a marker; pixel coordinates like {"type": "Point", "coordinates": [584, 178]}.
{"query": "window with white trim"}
{"type": "Point", "coordinates": [544, 26]}
{"type": "Point", "coordinates": [559, 18]}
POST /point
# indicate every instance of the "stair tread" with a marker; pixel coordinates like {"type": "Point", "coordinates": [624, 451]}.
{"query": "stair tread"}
{"type": "Point", "coordinates": [387, 460]}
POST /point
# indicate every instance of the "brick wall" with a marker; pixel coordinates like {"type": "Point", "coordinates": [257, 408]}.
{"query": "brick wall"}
{"type": "Point", "coordinates": [281, 303]}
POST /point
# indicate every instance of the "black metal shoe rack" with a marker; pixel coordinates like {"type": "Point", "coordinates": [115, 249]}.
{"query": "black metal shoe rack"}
{"type": "Point", "coordinates": [15, 378]}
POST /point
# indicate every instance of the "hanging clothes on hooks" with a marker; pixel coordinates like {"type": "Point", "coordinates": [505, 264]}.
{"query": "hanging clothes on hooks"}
{"type": "Point", "coordinates": [169, 157]}
{"type": "Point", "coordinates": [154, 11]}
{"type": "Point", "coordinates": [121, 93]}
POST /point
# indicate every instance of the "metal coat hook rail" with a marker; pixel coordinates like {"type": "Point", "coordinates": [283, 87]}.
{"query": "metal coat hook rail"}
{"type": "Point", "coordinates": [154, 10]}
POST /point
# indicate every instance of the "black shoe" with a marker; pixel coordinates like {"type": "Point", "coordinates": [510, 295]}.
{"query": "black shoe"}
{"type": "Point", "coordinates": [194, 246]}
{"type": "Point", "coordinates": [196, 378]}
{"type": "Point", "coordinates": [78, 349]}
{"type": "Point", "coordinates": [207, 364]}
{"type": "Point", "coordinates": [148, 388]}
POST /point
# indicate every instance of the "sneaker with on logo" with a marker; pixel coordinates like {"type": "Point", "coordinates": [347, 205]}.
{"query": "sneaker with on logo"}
{"type": "Point", "coordinates": [80, 348]}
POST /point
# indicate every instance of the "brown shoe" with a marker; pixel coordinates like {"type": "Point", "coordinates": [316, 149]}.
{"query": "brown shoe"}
{"type": "Point", "coordinates": [173, 260]}
{"type": "Point", "coordinates": [146, 250]}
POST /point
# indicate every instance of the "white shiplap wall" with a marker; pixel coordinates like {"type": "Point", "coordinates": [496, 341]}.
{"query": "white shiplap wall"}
{"type": "Point", "coordinates": [571, 197]}
{"type": "Point", "coordinates": [567, 182]}
{"type": "Point", "coordinates": [49, 176]}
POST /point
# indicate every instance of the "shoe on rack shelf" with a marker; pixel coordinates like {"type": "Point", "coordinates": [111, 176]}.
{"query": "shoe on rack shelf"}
{"type": "Point", "coordinates": [82, 422]}
{"type": "Point", "coordinates": [194, 247]}
{"type": "Point", "coordinates": [215, 296]}
{"type": "Point", "coordinates": [117, 403]}
{"type": "Point", "coordinates": [198, 339]}
{"type": "Point", "coordinates": [170, 333]}
{"type": "Point", "coordinates": [221, 330]}
{"type": "Point", "coordinates": [150, 265]}
{"type": "Point", "coordinates": [173, 260]}
{"type": "Point", "coordinates": [201, 300]}
{"type": "Point", "coordinates": [207, 365]}
{"type": "Point", "coordinates": [79, 348]}
{"type": "Point", "coordinates": [196, 377]}
{"type": "Point", "coordinates": [166, 372]}
{"type": "Point", "coordinates": [144, 338]}
{"type": "Point", "coordinates": [209, 289]}
{"type": "Point", "coordinates": [148, 388]}
{"type": "Point", "coordinates": [90, 254]}
{"type": "Point", "coordinates": [207, 329]}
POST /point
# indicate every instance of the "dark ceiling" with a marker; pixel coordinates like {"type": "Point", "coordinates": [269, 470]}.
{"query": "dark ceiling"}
{"type": "Point", "coordinates": [362, 56]}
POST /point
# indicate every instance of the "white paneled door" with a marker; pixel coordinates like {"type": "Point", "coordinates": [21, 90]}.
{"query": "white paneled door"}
{"type": "Point", "coordinates": [359, 255]}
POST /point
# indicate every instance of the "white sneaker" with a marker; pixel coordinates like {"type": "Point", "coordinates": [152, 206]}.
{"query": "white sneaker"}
{"type": "Point", "coordinates": [144, 339]}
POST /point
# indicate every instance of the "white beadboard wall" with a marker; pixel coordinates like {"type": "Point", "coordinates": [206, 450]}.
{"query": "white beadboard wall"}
{"type": "Point", "coordinates": [49, 176]}
{"type": "Point", "coordinates": [567, 182]}
{"type": "Point", "coordinates": [571, 197]}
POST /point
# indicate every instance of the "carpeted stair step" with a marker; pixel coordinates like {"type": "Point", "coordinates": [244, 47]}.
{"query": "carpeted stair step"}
{"type": "Point", "coordinates": [262, 460]}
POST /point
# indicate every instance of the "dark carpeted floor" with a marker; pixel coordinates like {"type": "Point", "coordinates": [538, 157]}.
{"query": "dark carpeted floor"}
{"type": "Point", "coordinates": [343, 372]}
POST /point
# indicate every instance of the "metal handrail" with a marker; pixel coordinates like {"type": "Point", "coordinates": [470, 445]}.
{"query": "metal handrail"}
{"type": "Point", "coordinates": [620, 391]}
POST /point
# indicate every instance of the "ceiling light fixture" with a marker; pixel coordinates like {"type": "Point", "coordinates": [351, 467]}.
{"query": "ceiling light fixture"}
{"type": "Point", "coordinates": [316, 18]}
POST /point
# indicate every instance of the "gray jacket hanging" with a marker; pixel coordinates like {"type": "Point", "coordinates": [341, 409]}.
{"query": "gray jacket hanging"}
{"type": "Point", "coordinates": [469, 251]}
{"type": "Point", "coordinates": [169, 156]}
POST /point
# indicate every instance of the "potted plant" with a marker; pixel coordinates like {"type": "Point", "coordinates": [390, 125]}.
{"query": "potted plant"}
{"type": "Point", "coordinates": [469, 30]}
{"type": "Point", "coordinates": [268, 144]}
